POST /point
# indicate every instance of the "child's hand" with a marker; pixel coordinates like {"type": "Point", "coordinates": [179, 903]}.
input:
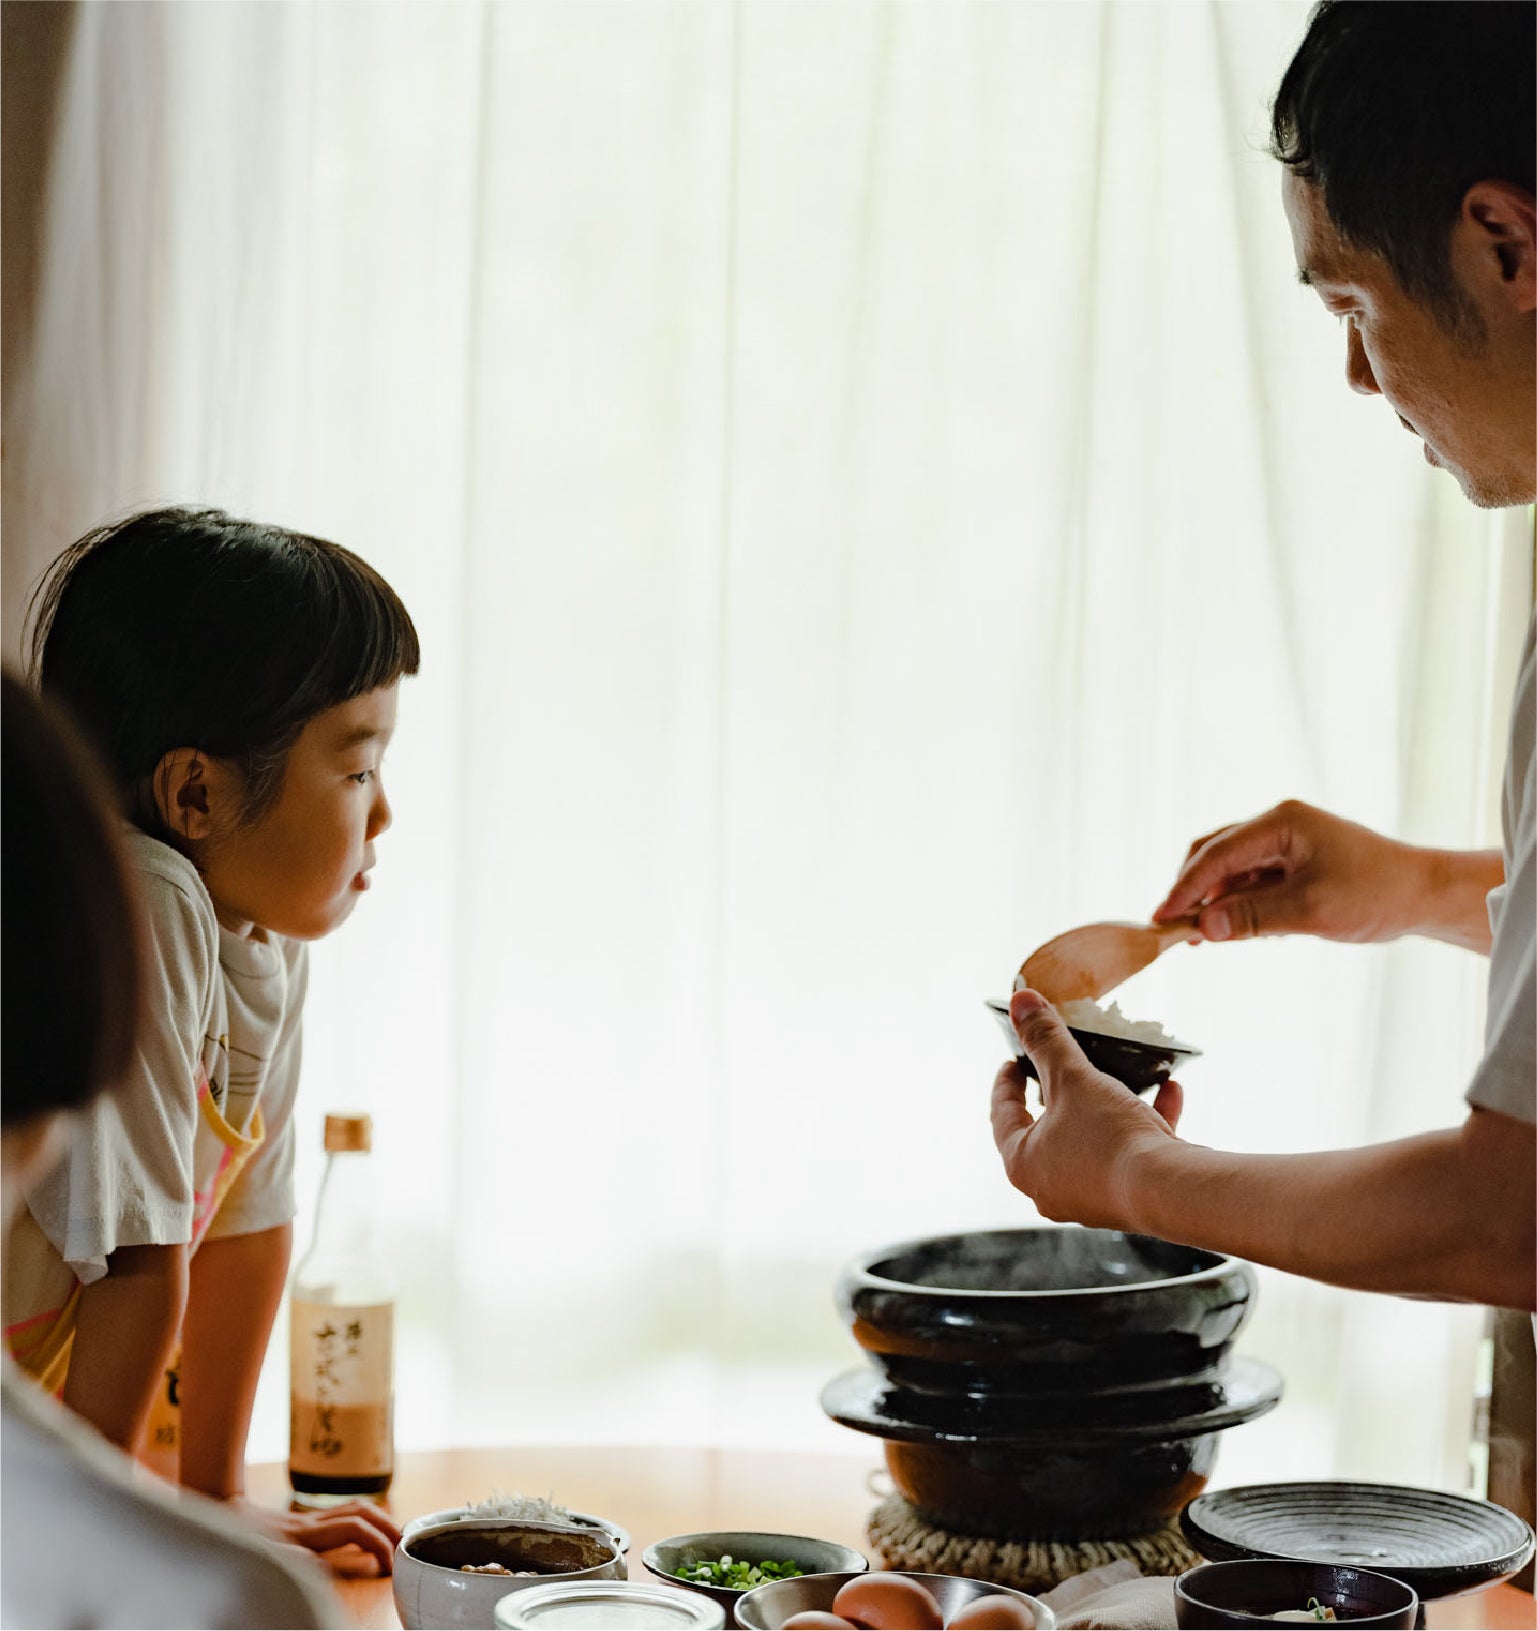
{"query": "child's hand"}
{"type": "Point", "coordinates": [358, 1524]}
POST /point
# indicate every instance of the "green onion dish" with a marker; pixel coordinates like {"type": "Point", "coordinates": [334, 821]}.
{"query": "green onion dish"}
{"type": "Point", "coordinates": [734, 1575]}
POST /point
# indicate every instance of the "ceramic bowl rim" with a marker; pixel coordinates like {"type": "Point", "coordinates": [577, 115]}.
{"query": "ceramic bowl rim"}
{"type": "Point", "coordinates": [649, 1558]}
{"type": "Point", "coordinates": [860, 1274]}
{"type": "Point", "coordinates": [462, 1514]}
{"type": "Point", "coordinates": [509, 1523]}
{"type": "Point", "coordinates": [1175, 1049]}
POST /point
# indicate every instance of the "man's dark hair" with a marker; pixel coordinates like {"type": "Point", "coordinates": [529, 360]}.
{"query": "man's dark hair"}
{"type": "Point", "coordinates": [183, 628]}
{"type": "Point", "coordinates": [71, 961]}
{"type": "Point", "coordinates": [1394, 108]}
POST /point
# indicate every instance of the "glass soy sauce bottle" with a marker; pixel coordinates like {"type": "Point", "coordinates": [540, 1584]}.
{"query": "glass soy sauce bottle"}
{"type": "Point", "coordinates": [341, 1440]}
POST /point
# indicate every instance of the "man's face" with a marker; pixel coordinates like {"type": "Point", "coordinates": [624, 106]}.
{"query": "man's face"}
{"type": "Point", "coordinates": [1467, 394]}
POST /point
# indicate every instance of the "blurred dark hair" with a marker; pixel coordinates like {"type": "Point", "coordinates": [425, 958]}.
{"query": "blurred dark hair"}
{"type": "Point", "coordinates": [72, 960]}
{"type": "Point", "coordinates": [186, 628]}
{"type": "Point", "coordinates": [1394, 108]}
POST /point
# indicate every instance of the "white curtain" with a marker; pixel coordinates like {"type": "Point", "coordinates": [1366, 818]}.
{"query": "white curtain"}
{"type": "Point", "coordinates": [871, 492]}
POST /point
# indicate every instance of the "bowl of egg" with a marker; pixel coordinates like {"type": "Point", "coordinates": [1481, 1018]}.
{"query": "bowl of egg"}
{"type": "Point", "coordinates": [890, 1602]}
{"type": "Point", "coordinates": [1056, 1383]}
{"type": "Point", "coordinates": [454, 1574]}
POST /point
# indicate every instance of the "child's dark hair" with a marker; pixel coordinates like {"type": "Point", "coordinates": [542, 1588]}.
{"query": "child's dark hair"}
{"type": "Point", "coordinates": [72, 957]}
{"type": "Point", "coordinates": [186, 628]}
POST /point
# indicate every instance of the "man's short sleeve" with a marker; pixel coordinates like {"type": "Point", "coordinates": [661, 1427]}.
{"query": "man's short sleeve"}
{"type": "Point", "coordinates": [1506, 1078]}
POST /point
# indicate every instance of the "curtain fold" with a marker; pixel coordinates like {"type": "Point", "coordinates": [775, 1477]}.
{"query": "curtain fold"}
{"type": "Point", "coordinates": [871, 493]}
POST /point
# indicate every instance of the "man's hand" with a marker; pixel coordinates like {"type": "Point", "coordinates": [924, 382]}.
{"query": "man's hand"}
{"type": "Point", "coordinates": [1072, 1159]}
{"type": "Point", "coordinates": [1299, 870]}
{"type": "Point", "coordinates": [1447, 1214]}
{"type": "Point", "coordinates": [349, 1524]}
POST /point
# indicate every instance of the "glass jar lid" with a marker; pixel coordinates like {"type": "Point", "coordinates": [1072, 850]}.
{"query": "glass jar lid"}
{"type": "Point", "coordinates": [607, 1605]}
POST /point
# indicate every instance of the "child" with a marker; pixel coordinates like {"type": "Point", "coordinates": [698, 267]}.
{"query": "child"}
{"type": "Point", "coordinates": [80, 1542]}
{"type": "Point", "coordinates": [240, 682]}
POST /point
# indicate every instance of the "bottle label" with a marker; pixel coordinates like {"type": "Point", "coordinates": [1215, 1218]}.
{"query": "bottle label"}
{"type": "Point", "coordinates": [341, 1389]}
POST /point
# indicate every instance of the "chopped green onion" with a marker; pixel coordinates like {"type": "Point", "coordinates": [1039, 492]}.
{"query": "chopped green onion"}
{"type": "Point", "coordinates": [736, 1575]}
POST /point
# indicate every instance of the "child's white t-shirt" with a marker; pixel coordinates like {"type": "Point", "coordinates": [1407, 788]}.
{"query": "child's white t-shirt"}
{"type": "Point", "coordinates": [199, 1139]}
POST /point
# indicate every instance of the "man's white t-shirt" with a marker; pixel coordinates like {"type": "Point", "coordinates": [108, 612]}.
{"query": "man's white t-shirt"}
{"type": "Point", "coordinates": [1506, 1078]}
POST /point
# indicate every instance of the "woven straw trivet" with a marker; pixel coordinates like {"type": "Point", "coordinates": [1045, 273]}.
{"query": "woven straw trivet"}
{"type": "Point", "coordinates": [906, 1541]}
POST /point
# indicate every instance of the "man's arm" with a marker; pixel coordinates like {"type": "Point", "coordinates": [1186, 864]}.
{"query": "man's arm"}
{"type": "Point", "coordinates": [1449, 1215]}
{"type": "Point", "coordinates": [1300, 870]}
{"type": "Point", "coordinates": [1455, 905]}
{"type": "Point", "coordinates": [125, 1336]}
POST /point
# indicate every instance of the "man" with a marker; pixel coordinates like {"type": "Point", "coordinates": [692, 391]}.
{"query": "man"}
{"type": "Point", "coordinates": [1405, 132]}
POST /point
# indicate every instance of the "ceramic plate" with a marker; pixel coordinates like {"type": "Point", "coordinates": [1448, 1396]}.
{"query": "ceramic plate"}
{"type": "Point", "coordinates": [1439, 1544]}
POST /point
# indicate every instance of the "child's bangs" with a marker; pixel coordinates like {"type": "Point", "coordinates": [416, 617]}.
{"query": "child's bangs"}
{"type": "Point", "coordinates": [364, 636]}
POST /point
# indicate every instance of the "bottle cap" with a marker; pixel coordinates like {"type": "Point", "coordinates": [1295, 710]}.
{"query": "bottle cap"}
{"type": "Point", "coordinates": [349, 1132]}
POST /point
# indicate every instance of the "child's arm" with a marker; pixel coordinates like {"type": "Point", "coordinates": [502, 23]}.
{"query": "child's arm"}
{"type": "Point", "coordinates": [125, 1336]}
{"type": "Point", "coordinates": [236, 1287]}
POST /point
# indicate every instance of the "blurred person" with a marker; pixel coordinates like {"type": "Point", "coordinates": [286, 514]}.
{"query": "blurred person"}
{"type": "Point", "coordinates": [80, 1542]}
{"type": "Point", "coordinates": [240, 682]}
{"type": "Point", "coordinates": [1405, 132]}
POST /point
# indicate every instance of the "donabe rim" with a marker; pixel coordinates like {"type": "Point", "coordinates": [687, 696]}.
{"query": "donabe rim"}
{"type": "Point", "coordinates": [1221, 1267]}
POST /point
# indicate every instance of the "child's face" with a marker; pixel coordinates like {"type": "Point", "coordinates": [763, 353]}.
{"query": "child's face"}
{"type": "Point", "coordinates": [302, 865]}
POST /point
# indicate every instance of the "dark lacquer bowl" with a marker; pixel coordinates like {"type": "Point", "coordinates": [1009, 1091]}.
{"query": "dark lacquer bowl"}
{"type": "Point", "coordinates": [1141, 1066]}
{"type": "Point", "coordinates": [1050, 1383]}
{"type": "Point", "coordinates": [1047, 1310]}
{"type": "Point", "coordinates": [1253, 1594]}
{"type": "Point", "coordinates": [1074, 1470]}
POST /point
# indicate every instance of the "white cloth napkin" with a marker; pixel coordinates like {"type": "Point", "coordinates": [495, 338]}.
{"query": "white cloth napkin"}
{"type": "Point", "coordinates": [1114, 1597]}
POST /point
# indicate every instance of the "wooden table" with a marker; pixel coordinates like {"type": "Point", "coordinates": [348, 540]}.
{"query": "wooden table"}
{"type": "Point", "coordinates": [659, 1492]}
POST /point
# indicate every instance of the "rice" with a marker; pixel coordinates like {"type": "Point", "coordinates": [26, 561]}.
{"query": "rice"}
{"type": "Point", "coordinates": [1110, 1021]}
{"type": "Point", "coordinates": [521, 1508]}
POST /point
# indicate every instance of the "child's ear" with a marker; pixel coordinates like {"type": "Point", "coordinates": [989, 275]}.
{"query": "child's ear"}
{"type": "Point", "coordinates": [193, 793]}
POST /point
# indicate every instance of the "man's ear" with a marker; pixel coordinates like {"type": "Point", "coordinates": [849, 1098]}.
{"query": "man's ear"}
{"type": "Point", "coordinates": [194, 794]}
{"type": "Point", "coordinates": [1500, 227]}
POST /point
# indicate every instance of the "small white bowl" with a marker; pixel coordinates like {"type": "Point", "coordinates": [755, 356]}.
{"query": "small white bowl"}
{"type": "Point", "coordinates": [465, 1514]}
{"type": "Point", "coordinates": [433, 1593]}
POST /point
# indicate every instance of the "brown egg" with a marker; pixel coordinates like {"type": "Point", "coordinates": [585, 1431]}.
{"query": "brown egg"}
{"type": "Point", "coordinates": [995, 1613]}
{"type": "Point", "coordinates": [888, 1602]}
{"type": "Point", "coordinates": [817, 1619]}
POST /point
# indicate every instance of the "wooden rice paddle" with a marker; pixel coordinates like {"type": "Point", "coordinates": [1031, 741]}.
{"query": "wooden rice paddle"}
{"type": "Point", "coordinates": [1083, 964]}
